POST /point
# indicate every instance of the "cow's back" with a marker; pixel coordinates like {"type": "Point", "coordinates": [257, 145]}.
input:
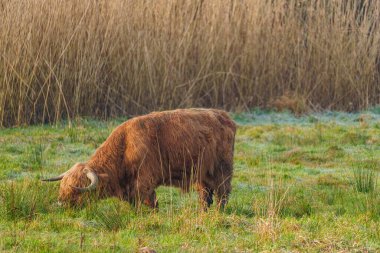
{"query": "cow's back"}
{"type": "Point", "coordinates": [176, 144]}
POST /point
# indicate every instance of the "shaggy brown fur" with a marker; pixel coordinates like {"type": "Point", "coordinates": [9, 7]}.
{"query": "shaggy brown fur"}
{"type": "Point", "coordinates": [177, 148]}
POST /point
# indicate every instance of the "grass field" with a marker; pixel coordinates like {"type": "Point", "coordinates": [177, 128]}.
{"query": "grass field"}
{"type": "Point", "coordinates": [307, 184]}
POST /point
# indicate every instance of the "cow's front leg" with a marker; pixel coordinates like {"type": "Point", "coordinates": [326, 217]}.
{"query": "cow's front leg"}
{"type": "Point", "coordinates": [151, 200]}
{"type": "Point", "coordinates": [144, 194]}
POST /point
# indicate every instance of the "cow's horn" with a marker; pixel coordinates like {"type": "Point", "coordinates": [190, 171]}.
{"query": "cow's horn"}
{"type": "Point", "coordinates": [93, 178]}
{"type": "Point", "coordinates": [54, 178]}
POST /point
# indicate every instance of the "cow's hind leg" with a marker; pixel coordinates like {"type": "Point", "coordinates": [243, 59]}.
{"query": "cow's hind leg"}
{"type": "Point", "coordinates": [205, 196]}
{"type": "Point", "coordinates": [223, 186]}
{"type": "Point", "coordinates": [222, 194]}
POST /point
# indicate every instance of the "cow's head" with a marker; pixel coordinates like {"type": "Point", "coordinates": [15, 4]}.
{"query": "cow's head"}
{"type": "Point", "coordinates": [75, 182]}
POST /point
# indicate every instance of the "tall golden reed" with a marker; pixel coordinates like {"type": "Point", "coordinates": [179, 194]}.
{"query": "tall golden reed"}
{"type": "Point", "coordinates": [59, 59]}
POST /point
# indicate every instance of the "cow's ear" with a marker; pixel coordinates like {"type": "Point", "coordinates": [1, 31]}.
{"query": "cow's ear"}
{"type": "Point", "coordinates": [104, 177]}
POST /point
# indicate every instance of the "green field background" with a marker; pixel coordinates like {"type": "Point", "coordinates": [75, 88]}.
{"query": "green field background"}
{"type": "Point", "coordinates": [300, 184]}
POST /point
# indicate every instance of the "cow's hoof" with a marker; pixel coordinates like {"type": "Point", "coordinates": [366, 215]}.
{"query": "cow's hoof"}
{"type": "Point", "coordinates": [146, 250]}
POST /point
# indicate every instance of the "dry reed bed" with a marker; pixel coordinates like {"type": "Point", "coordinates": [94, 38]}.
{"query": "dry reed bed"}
{"type": "Point", "coordinates": [60, 59]}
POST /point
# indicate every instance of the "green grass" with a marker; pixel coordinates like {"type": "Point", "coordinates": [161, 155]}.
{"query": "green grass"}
{"type": "Point", "coordinates": [299, 185]}
{"type": "Point", "coordinates": [365, 180]}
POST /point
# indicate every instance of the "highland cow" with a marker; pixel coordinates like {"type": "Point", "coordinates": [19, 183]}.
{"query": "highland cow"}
{"type": "Point", "coordinates": [181, 148]}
